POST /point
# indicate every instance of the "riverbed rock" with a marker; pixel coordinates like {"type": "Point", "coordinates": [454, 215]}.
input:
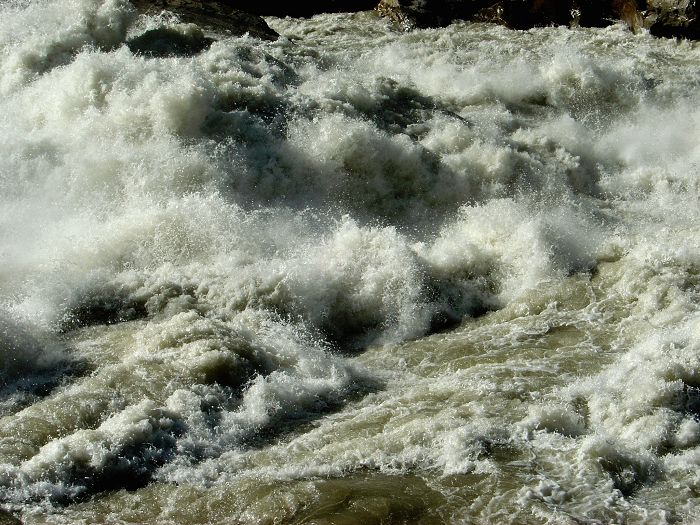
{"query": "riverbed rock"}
{"type": "Point", "coordinates": [216, 15]}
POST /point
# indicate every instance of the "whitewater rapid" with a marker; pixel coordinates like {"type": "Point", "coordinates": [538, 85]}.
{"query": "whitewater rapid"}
{"type": "Point", "coordinates": [349, 276]}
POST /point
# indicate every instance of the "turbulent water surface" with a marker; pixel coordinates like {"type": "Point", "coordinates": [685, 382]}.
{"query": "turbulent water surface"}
{"type": "Point", "coordinates": [350, 276]}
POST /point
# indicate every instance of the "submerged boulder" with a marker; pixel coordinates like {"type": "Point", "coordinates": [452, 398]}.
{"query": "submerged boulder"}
{"type": "Point", "coordinates": [212, 14]}
{"type": "Point", "coordinates": [166, 41]}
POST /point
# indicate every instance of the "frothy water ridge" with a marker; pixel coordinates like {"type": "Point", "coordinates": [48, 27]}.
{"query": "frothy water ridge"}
{"type": "Point", "coordinates": [351, 276]}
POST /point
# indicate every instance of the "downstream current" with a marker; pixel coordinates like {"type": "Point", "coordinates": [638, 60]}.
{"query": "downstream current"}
{"type": "Point", "coordinates": [351, 276]}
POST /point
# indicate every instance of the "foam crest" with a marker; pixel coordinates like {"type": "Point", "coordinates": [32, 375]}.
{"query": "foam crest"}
{"type": "Point", "coordinates": [211, 386]}
{"type": "Point", "coordinates": [371, 285]}
{"type": "Point", "coordinates": [657, 149]}
{"type": "Point", "coordinates": [508, 248]}
{"type": "Point", "coordinates": [96, 457]}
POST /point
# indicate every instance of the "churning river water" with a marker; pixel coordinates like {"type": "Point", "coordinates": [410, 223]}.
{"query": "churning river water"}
{"type": "Point", "coordinates": [350, 276]}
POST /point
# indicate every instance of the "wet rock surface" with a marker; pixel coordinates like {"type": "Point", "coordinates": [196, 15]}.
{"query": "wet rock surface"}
{"type": "Point", "coordinates": [434, 13]}
{"type": "Point", "coordinates": [670, 18]}
{"type": "Point", "coordinates": [303, 9]}
{"type": "Point", "coordinates": [667, 18]}
{"type": "Point", "coordinates": [163, 42]}
{"type": "Point", "coordinates": [214, 15]}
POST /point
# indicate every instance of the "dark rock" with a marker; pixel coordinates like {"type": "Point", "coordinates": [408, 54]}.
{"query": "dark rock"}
{"type": "Point", "coordinates": [537, 13]}
{"type": "Point", "coordinates": [672, 18]}
{"type": "Point", "coordinates": [302, 8]}
{"type": "Point", "coordinates": [525, 14]}
{"type": "Point", "coordinates": [669, 18]}
{"type": "Point", "coordinates": [629, 12]}
{"type": "Point", "coordinates": [164, 41]}
{"type": "Point", "coordinates": [211, 14]}
{"type": "Point", "coordinates": [676, 18]}
{"type": "Point", "coordinates": [408, 14]}
{"type": "Point", "coordinates": [493, 14]}
{"type": "Point", "coordinates": [397, 13]}
{"type": "Point", "coordinates": [601, 13]}
{"type": "Point", "coordinates": [517, 14]}
{"type": "Point", "coordinates": [254, 7]}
